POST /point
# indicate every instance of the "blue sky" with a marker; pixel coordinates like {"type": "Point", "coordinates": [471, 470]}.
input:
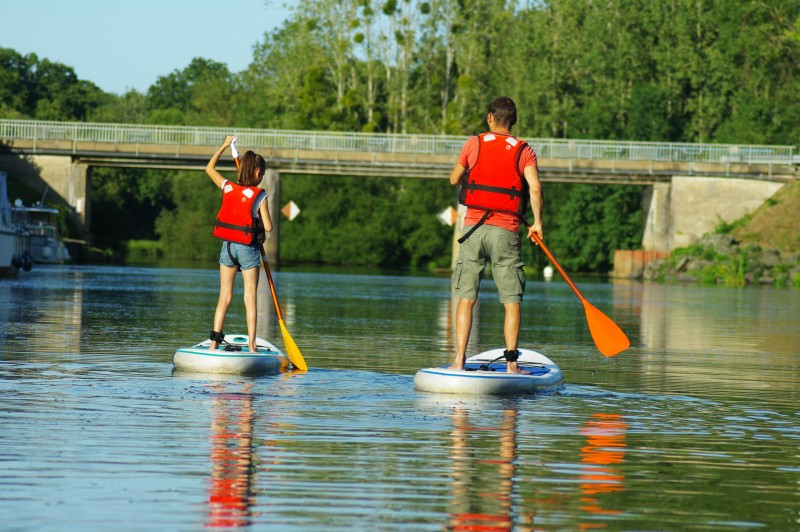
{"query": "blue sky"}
{"type": "Point", "coordinates": [127, 44]}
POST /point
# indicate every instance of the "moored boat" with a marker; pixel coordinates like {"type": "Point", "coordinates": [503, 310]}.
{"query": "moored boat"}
{"type": "Point", "coordinates": [42, 227]}
{"type": "Point", "coordinates": [485, 374]}
{"type": "Point", "coordinates": [13, 242]}
{"type": "Point", "coordinates": [232, 356]}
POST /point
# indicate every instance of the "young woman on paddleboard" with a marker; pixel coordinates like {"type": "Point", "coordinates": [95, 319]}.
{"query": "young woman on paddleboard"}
{"type": "Point", "coordinates": [241, 224]}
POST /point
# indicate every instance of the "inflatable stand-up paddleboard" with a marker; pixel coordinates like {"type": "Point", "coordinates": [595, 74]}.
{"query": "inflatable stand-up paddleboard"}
{"type": "Point", "coordinates": [232, 356]}
{"type": "Point", "coordinates": [486, 375]}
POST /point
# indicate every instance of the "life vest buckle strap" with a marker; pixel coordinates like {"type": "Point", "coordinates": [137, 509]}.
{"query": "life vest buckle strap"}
{"type": "Point", "coordinates": [475, 227]}
{"type": "Point", "coordinates": [247, 229]}
{"type": "Point", "coordinates": [513, 192]}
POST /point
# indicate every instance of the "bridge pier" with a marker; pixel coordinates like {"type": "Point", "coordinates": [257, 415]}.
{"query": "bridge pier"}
{"type": "Point", "coordinates": [68, 180]}
{"type": "Point", "coordinates": [71, 180]}
{"type": "Point", "coordinates": [680, 212]}
{"type": "Point", "coordinates": [656, 208]}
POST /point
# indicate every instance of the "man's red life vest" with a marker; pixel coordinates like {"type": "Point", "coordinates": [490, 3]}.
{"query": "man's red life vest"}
{"type": "Point", "coordinates": [235, 221]}
{"type": "Point", "coordinates": [495, 183]}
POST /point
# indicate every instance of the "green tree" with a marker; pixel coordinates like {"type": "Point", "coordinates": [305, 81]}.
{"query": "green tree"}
{"type": "Point", "coordinates": [185, 230]}
{"type": "Point", "coordinates": [591, 222]}
{"type": "Point", "coordinates": [17, 99]}
{"type": "Point", "coordinates": [126, 202]}
{"type": "Point", "coordinates": [200, 94]}
{"type": "Point", "coordinates": [426, 241]}
{"type": "Point", "coordinates": [129, 108]}
{"type": "Point", "coordinates": [43, 89]}
{"type": "Point", "coordinates": [286, 66]}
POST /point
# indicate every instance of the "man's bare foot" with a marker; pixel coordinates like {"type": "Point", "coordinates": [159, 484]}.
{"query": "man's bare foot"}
{"type": "Point", "coordinates": [514, 368]}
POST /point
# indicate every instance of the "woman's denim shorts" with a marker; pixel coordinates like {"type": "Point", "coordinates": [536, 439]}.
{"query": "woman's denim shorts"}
{"type": "Point", "coordinates": [240, 255]}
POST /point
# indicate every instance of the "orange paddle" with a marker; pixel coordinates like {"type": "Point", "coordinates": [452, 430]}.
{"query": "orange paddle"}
{"type": "Point", "coordinates": [607, 336]}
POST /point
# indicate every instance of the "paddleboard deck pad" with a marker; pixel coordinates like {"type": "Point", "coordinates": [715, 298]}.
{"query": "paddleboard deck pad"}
{"type": "Point", "coordinates": [232, 356]}
{"type": "Point", "coordinates": [485, 374]}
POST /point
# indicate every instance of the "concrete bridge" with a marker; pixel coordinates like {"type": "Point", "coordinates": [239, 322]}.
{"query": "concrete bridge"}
{"type": "Point", "coordinates": [689, 187]}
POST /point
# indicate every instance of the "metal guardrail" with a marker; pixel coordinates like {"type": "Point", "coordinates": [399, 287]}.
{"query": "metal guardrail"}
{"type": "Point", "coordinates": [75, 132]}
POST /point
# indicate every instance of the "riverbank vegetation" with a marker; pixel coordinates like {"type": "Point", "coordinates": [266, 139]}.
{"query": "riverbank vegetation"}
{"type": "Point", "coordinates": [677, 71]}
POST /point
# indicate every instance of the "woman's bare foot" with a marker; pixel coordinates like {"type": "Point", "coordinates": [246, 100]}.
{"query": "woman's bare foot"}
{"type": "Point", "coordinates": [458, 363]}
{"type": "Point", "coordinates": [252, 348]}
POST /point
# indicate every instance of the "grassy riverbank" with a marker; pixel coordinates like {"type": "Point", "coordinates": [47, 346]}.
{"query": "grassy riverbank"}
{"type": "Point", "coordinates": [763, 247]}
{"type": "Point", "coordinates": [776, 224]}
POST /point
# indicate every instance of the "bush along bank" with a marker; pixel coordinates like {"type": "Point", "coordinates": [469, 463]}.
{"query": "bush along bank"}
{"type": "Point", "coordinates": [721, 259]}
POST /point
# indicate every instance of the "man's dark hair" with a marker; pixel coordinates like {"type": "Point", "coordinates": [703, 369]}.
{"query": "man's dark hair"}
{"type": "Point", "coordinates": [504, 111]}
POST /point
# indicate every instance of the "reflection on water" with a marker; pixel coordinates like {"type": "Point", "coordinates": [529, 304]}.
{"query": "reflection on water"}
{"type": "Point", "coordinates": [231, 494]}
{"type": "Point", "coordinates": [490, 494]}
{"type": "Point", "coordinates": [694, 428]}
{"type": "Point", "coordinates": [602, 455]}
{"type": "Point", "coordinates": [733, 321]}
{"type": "Point", "coordinates": [693, 337]}
{"type": "Point", "coordinates": [482, 496]}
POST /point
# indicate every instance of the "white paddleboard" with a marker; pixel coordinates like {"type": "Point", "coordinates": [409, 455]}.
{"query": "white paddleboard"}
{"type": "Point", "coordinates": [232, 356]}
{"type": "Point", "coordinates": [484, 374]}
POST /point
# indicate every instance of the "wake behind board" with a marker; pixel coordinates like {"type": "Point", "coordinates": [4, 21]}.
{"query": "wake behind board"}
{"type": "Point", "coordinates": [231, 357]}
{"type": "Point", "coordinates": [485, 377]}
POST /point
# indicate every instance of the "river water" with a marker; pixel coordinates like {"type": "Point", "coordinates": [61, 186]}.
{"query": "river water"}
{"type": "Point", "coordinates": [695, 427]}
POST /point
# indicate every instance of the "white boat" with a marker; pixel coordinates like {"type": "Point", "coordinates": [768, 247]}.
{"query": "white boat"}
{"type": "Point", "coordinates": [42, 226]}
{"type": "Point", "coordinates": [232, 356]}
{"type": "Point", "coordinates": [485, 374]}
{"type": "Point", "coordinates": [13, 242]}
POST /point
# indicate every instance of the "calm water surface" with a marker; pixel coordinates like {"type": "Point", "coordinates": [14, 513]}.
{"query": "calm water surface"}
{"type": "Point", "coordinates": [696, 427]}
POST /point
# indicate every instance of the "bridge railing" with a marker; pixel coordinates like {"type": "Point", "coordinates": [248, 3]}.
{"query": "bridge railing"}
{"type": "Point", "coordinates": [34, 130]}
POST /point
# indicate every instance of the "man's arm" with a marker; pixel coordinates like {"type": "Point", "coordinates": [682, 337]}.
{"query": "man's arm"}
{"type": "Point", "coordinates": [457, 173]}
{"type": "Point", "coordinates": [537, 200]}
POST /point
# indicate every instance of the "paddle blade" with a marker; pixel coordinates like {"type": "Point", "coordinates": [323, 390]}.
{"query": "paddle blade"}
{"type": "Point", "coordinates": [607, 336]}
{"type": "Point", "coordinates": [292, 351]}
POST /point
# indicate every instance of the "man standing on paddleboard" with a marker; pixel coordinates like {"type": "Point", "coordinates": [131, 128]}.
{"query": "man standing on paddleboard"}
{"type": "Point", "coordinates": [499, 176]}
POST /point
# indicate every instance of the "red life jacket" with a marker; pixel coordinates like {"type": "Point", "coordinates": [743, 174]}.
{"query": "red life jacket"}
{"type": "Point", "coordinates": [235, 221]}
{"type": "Point", "coordinates": [495, 183]}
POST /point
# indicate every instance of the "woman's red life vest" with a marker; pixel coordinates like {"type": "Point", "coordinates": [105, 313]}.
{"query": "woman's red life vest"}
{"type": "Point", "coordinates": [235, 221]}
{"type": "Point", "coordinates": [495, 183]}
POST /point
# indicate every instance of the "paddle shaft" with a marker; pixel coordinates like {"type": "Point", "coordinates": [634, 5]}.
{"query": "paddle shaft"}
{"type": "Point", "coordinates": [550, 256]}
{"type": "Point", "coordinates": [558, 267]}
{"type": "Point", "coordinates": [271, 284]}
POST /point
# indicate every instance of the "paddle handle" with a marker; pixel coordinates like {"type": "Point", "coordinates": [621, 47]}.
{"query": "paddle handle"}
{"type": "Point", "coordinates": [558, 267]}
{"type": "Point", "coordinates": [550, 256]}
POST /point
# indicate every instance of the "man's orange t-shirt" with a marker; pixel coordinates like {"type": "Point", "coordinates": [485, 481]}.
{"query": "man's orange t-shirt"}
{"type": "Point", "coordinates": [467, 158]}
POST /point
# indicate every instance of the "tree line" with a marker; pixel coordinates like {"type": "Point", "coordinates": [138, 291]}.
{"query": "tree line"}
{"type": "Point", "coordinates": [666, 70]}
